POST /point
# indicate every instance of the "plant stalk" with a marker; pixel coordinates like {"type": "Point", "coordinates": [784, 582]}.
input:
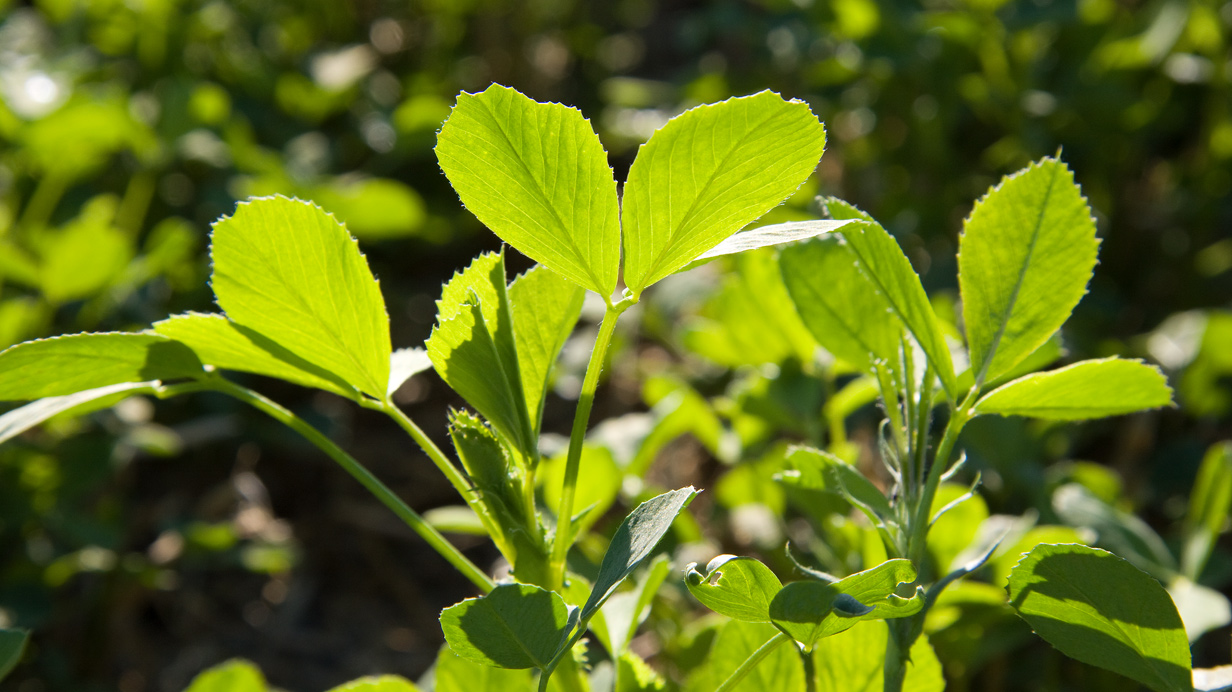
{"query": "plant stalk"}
{"type": "Point", "coordinates": [586, 399]}
{"type": "Point", "coordinates": [452, 473]}
{"type": "Point", "coordinates": [361, 474]}
{"type": "Point", "coordinates": [751, 662]}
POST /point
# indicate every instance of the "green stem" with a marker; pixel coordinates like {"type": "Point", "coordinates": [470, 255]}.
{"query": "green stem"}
{"type": "Point", "coordinates": [919, 525]}
{"type": "Point", "coordinates": [361, 474]}
{"type": "Point", "coordinates": [455, 476]}
{"type": "Point", "coordinates": [895, 666]}
{"type": "Point", "coordinates": [560, 545]}
{"type": "Point", "coordinates": [136, 202]}
{"type": "Point", "coordinates": [42, 204]}
{"type": "Point", "coordinates": [751, 662]}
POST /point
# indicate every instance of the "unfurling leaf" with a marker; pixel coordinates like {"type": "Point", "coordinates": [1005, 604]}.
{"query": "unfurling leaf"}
{"type": "Point", "coordinates": [810, 610]}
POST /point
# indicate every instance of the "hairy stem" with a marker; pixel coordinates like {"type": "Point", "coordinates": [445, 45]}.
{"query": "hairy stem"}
{"type": "Point", "coordinates": [751, 662]}
{"type": "Point", "coordinates": [361, 474]}
{"type": "Point", "coordinates": [452, 473]}
{"type": "Point", "coordinates": [560, 546]}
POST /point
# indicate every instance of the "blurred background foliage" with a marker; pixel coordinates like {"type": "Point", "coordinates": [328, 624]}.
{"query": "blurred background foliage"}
{"type": "Point", "coordinates": [150, 540]}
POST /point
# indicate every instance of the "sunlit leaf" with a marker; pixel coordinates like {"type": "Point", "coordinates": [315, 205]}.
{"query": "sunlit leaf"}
{"type": "Point", "coordinates": [383, 683]}
{"type": "Point", "coordinates": [537, 175]}
{"type": "Point", "coordinates": [545, 309]}
{"type": "Point", "coordinates": [739, 587]}
{"type": "Point", "coordinates": [1088, 389]}
{"type": "Point", "coordinates": [854, 661]}
{"type": "Point", "coordinates": [233, 676]}
{"type": "Point", "coordinates": [709, 172]}
{"type": "Point", "coordinates": [19, 420]}
{"type": "Point", "coordinates": [1097, 608]}
{"type": "Point", "coordinates": [514, 626]}
{"type": "Point", "coordinates": [66, 364]}
{"type": "Point", "coordinates": [811, 610]}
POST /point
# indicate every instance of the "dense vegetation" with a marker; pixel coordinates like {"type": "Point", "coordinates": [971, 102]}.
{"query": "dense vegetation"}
{"type": "Point", "coordinates": [145, 542]}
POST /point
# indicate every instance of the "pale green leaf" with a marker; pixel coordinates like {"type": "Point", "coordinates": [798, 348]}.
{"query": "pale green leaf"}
{"type": "Point", "coordinates": [739, 587]}
{"type": "Point", "coordinates": [633, 541]}
{"type": "Point", "coordinates": [82, 258]}
{"type": "Point", "coordinates": [473, 349]}
{"type": "Point", "coordinates": [1024, 258]}
{"type": "Point", "coordinates": [709, 172]}
{"type": "Point", "coordinates": [67, 364]}
{"type": "Point", "coordinates": [766, 236]}
{"type": "Point", "coordinates": [545, 309]}
{"type": "Point", "coordinates": [839, 304]}
{"type": "Point", "coordinates": [1099, 609]}
{"type": "Point", "coordinates": [514, 626]}
{"type": "Point", "coordinates": [595, 495]}
{"type": "Point", "coordinates": [1201, 608]}
{"type": "Point", "coordinates": [233, 676]}
{"type": "Point", "coordinates": [780, 671]}
{"type": "Point", "coordinates": [19, 420]}
{"type": "Point", "coordinates": [889, 270]}
{"type": "Point", "coordinates": [1209, 503]}
{"type": "Point", "coordinates": [811, 610]}
{"type": "Point", "coordinates": [635, 675]}
{"type": "Point", "coordinates": [854, 661]}
{"type": "Point", "coordinates": [406, 363]}
{"type": "Point", "coordinates": [219, 342]}
{"type": "Point", "coordinates": [456, 674]}
{"type": "Point", "coordinates": [813, 469]}
{"type": "Point", "coordinates": [375, 683]}
{"type": "Point", "coordinates": [12, 647]}
{"type": "Point", "coordinates": [537, 175]}
{"type": "Point", "coordinates": [617, 621]}
{"type": "Point", "coordinates": [1088, 389]}
{"type": "Point", "coordinates": [289, 271]}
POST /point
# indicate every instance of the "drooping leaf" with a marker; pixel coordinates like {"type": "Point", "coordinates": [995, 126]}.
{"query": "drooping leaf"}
{"type": "Point", "coordinates": [767, 236]}
{"type": "Point", "coordinates": [1024, 258]}
{"type": "Point", "coordinates": [811, 610]}
{"type": "Point", "coordinates": [854, 661]}
{"type": "Point", "coordinates": [12, 647]}
{"type": "Point", "coordinates": [406, 363]}
{"type": "Point", "coordinates": [709, 172]}
{"type": "Point", "coordinates": [233, 676]}
{"type": "Point", "coordinates": [514, 626]}
{"type": "Point", "coordinates": [382, 683]}
{"type": "Point", "coordinates": [473, 349]}
{"type": "Point", "coordinates": [537, 175]}
{"type": "Point", "coordinates": [224, 344]}
{"type": "Point", "coordinates": [1099, 609]}
{"type": "Point", "coordinates": [739, 587]}
{"type": "Point", "coordinates": [290, 272]}
{"type": "Point", "coordinates": [839, 304]}
{"type": "Point", "coordinates": [1088, 389]}
{"type": "Point", "coordinates": [1209, 503]}
{"type": "Point", "coordinates": [637, 535]}
{"type": "Point", "coordinates": [67, 364]}
{"type": "Point", "coordinates": [19, 420]}
{"type": "Point", "coordinates": [457, 674]}
{"type": "Point", "coordinates": [545, 309]}
{"type": "Point", "coordinates": [736, 641]}
{"type": "Point", "coordinates": [885, 265]}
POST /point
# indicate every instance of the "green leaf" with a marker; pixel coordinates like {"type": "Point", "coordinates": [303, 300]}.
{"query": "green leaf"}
{"type": "Point", "coordinates": [635, 675]}
{"type": "Point", "coordinates": [839, 304]}
{"type": "Point", "coordinates": [514, 626]}
{"type": "Point", "coordinates": [767, 236]}
{"type": "Point", "coordinates": [1118, 530]}
{"type": "Point", "coordinates": [1209, 503]}
{"type": "Point", "coordinates": [813, 469]}
{"type": "Point", "coordinates": [1088, 389]}
{"type": "Point", "coordinates": [620, 617]}
{"type": "Point", "coordinates": [19, 420]}
{"type": "Point", "coordinates": [739, 587]}
{"type": "Point", "coordinates": [594, 496]}
{"type": "Point", "coordinates": [12, 647]}
{"type": "Point", "coordinates": [1099, 609]}
{"type": "Point", "coordinates": [406, 363]}
{"type": "Point", "coordinates": [885, 265]}
{"type": "Point", "coordinates": [1025, 256]}
{"type": "Point", "coordinates": [82, 258]}
{"type": "Point", "coordinates": [67, 364]}
{"type": "Point", "coordinates": [953, 532]}
{"type": "Point", "coordinates": [637, 535]}
{"type": "Point", "coordinates": [537, 175]}
{"type": "Point", "coordinates": [290, 272]}
{"type": "Point", "coordinates": [473, 349]}
{"type": "Point", "coordinates": [811, 610]}
{"type": "Point", "coordinates": [456, 674]}
{"type": "Point", "coordinates": [219, 342]}
{"type": "Point", "coordinates": [854, 661]}
{"type": "Point", "coordinates": [382, 683]}
{"type": "Point", "coordinates": [233, 676]}
{"type": "Point", "coordinates": [781, 670]}
{"type": "Point", "coordinates": [545, 309]}
{"type": "Point", "coordinates": [709, 172]}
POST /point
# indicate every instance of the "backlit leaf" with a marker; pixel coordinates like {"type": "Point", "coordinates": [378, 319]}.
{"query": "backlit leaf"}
{"type": "Point", "coordinates": [1097, 608]}
{"type": "Point", "coordinates": [854, 661]}
{"type": "Point", "coordinates": [66, 364]}
{"type": "Point", "coordinates": [537, 175]}
{"type": "Point", "coordinates": [1089, 389]}
{"type": "Point", "coordinates": [739, 587]}
{"type": "Point", "coordinates": [514, 626]}
{"type": "Point", "coordinates": [289, 271]}
{"type": "Point", "coordinates": [811, 610]}
{"type": "Point", "coordinates": [456, 674]}
{"type": "Point", "coordinates": [382, 683]}
{"type": "Point", "coordinates": [545, 309]}
{"type": "Point", "coordinates": [736, 641]}
{"type": "Point", "coordinates": [21, 419]}
{"type": "Point", "coordinates": [232, 676]}
{"type": "Point", "coordinates": [709, 172]}
{"type": "Point", "coordinates": [1024, 258]}
{"type": "Point", "coordinates": [766, 236]}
